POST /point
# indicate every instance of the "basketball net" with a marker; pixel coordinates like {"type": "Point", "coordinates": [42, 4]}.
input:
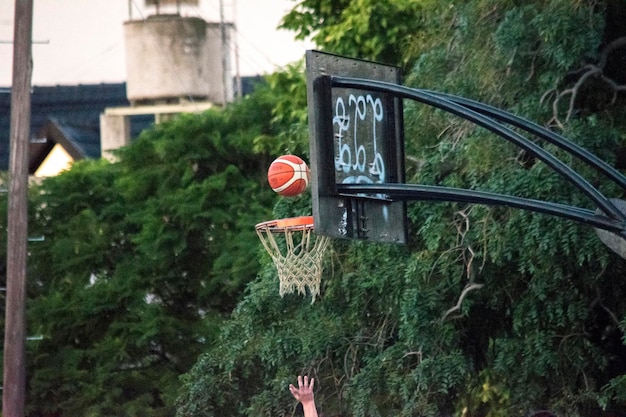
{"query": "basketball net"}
{"type": "Point", "coordinates": [296, 252]}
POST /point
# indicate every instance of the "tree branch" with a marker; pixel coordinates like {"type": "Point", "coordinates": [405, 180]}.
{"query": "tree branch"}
{"type": "Point", "coordinates": [457, 307]}
{"type": "Point", "coordinates": [587, 71]}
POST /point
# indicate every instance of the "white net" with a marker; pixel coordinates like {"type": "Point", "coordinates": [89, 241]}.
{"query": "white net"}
{"type": "Point", "coordinates": [296, 252]}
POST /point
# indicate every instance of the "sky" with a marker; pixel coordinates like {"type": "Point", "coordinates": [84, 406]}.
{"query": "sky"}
{"type": "Point", "coordinates": [82, 41]}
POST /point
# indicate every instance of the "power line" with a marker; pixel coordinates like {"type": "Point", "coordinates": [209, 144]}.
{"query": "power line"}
{"type": "Point", "coordinates": [33, 42]}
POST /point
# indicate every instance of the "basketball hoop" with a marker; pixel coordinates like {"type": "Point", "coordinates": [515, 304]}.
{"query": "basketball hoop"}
{"type": "Point", "coordinates": [296, 252]}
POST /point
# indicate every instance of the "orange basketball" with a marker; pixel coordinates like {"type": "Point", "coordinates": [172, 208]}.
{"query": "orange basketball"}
{"type": "Point", "coordinates": [288, 175]}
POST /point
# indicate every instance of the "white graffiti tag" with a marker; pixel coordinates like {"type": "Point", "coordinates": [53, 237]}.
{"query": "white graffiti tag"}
{"type": "Point", "coordinates": [359, 159]}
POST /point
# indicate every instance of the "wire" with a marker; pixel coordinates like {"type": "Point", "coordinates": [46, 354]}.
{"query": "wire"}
{"type": "Point", "coordinates": [249, 60]}
{"type": "Point", "coordinates": [91, 62]}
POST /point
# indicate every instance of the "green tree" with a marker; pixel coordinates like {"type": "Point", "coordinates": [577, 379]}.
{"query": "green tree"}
{"type": "Point", "coordinates": [143, 259]}
{"type": "Point", "coordinates": [488, 311]}
{"type": "Point", "coordinates": [366, 29]}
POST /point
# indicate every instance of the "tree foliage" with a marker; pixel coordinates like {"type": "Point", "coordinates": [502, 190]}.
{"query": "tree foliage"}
{"type": "Point", "coordinates": [366, 29]}
{"type": "Point", "coordinates": [142, 260]}
{"type": "Point", "coordinates": [150, 268]}
{"type": "Point", "coordinates": [488, 311]}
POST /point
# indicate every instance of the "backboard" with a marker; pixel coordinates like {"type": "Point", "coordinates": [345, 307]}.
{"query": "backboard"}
{"type": "Point", "coordinates": [356, 137]}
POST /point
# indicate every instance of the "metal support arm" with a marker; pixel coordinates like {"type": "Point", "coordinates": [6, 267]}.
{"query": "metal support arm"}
{"type": "Point", "coordinates": [418, 192]}
{"type": "Point", "coordinates": [613, 220]}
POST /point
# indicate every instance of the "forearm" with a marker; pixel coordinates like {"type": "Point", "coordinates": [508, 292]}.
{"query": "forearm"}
{"type": "Point", "coordinates": [309, 409]}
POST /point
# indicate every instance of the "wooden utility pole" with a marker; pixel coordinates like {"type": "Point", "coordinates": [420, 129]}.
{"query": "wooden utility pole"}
{"type": "Point", "coordinates": [14, 376]}
{"type": "Point", "coordinates": [239, 92]}
{"type": "Point", "coordinates": [224, 53]}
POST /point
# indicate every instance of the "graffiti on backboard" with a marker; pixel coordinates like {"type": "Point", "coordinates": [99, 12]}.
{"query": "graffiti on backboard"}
{"type": "Point", "coordinates": [357, 127]}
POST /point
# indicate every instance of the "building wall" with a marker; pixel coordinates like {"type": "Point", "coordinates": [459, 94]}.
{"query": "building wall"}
{"type": "Point", "coordinates": [170, 58]}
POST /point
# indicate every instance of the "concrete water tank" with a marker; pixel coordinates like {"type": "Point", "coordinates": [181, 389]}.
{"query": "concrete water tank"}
{"type": "Point", "coordinates": [170, 58]}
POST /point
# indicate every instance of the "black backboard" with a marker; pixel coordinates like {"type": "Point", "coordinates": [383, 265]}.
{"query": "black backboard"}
{"type": "Point", "coordinates": [356, 137]}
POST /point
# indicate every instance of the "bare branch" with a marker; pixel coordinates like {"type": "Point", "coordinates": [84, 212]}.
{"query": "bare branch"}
{"type": "Point", "coordinates": [548, 93]}
{"type": "Point", "coordinates": [606, 51]}
{"type": "Point", "coordinates": [417, 353]}
{"type": "Point", "coordinates": [584, 73]}
{"type": "Point", "coordinates": [457, 307]}
{"type": "Point", "coordinates": [532, 68]}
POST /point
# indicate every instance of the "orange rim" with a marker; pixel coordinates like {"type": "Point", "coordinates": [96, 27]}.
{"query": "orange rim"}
{"type": "Point", "coordinates": [288, 224]}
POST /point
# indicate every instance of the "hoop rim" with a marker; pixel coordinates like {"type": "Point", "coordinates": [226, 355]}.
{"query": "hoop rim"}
{"type": "Point", "coordinates": [287, 225]}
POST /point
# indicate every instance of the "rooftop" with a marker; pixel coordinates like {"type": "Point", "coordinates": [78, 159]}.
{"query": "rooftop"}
{"type": "Point", "coordinates": [70, 115]}
{"type": "Point", "coordinates": [66, 112]}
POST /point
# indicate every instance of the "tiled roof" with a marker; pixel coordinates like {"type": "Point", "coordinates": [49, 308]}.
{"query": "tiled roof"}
{"type": "Point", "coordinates": [72, 114]}
{"type": "Point", "coordinates": [74, 110]}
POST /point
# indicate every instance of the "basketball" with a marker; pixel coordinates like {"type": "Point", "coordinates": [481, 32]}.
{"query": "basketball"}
{"type": "Point", "coordinates": [288, 175]}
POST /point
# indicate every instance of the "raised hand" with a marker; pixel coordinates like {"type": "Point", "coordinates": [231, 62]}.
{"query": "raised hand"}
{"type": "Point", "coordinates": [304, 394]}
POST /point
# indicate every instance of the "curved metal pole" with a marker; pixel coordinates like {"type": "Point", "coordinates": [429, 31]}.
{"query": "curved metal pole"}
{"type": "Point", "coordinates": [416, 192]}
{"type": "Point", "coordinates": [442, 103]}
{"type": "Point", "coordinates": [550, 136]}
